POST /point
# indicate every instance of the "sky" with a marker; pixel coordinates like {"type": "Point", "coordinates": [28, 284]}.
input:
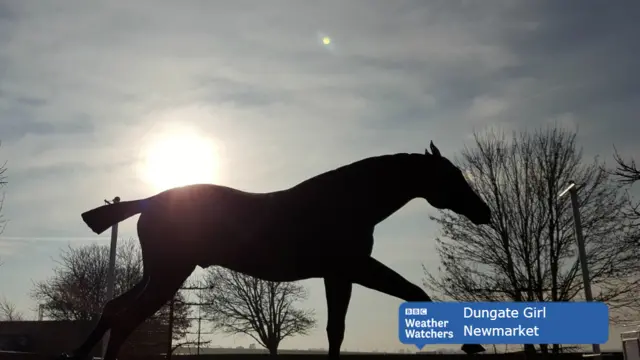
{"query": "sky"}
{"type": "Point", "coordinates": [89, 89]}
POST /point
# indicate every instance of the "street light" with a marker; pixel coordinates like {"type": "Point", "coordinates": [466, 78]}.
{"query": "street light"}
{"type": "Point", "coordinates": [572, 189]}
{"type": "Point", "coordinates": [111, 274]}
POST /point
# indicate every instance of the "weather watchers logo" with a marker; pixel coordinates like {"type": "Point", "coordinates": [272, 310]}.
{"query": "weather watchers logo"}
{"type": "Point", "coordinates": [503, 323]}
{"type": "Point", "coordinates": [427, 329]}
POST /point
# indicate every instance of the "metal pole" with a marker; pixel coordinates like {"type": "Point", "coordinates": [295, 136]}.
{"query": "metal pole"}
{"type": "Point", "coordinates": [199, 322]}
{"type": "Point", "coordinates": [582, 253]}
{"type": "Point", "coordinates": [170, 340]}
{"type": "Point", "coordinates": [111, 272]}
{"type": "Point", "coordinates": [199, 327]}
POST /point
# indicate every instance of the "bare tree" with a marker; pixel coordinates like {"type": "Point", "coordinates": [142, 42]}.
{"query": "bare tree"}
{"type": "Point", "coordinates": [189, 343]}
{"type": "Point", "coordinates": [77, 290]}
{"type": "Point", "coordinates": [3, 182]}
{"type": "Point", "coordinates": [7, 309]}
{"type": "Point", "coordinates": [239, 304]}
{"type": "Point", "coordinates": [626, 170]}
{"type": "Point", "coordinates": [627, 173]}
{"type": "Point", "coordinates": [197, 342]}
{"type": "Point", "coordinates": [9, 312]}
{"type": "Point", "coordinates": [528, 252]}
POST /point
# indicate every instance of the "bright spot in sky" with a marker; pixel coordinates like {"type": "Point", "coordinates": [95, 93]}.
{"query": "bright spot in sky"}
{"type": "Point", "coordinates": [326, 41]}
{"type": "Point", "coordinates": [179, 157]}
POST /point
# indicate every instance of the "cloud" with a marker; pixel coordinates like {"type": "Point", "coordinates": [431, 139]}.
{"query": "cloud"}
{"type": "Point", "coordinates": [85, 86]}
{"type": "Point", "coordinates": [8, 248]}
{"type": "Point", "coordinates": [486, 108]}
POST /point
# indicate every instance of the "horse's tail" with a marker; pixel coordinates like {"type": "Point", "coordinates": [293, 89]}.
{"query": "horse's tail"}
{"type": "Point", "coordinates": [105, 216]}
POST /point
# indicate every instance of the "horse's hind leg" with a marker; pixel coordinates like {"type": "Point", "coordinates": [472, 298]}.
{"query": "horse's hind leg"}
{"type": "Point", "coordinates": [338, 294]}
{"type": "Point", "coordinates": [109, 313]}
{"type": "Point", "coordinates": [161, 287]}
{"type": "Point", "coordinates": [371, 273]}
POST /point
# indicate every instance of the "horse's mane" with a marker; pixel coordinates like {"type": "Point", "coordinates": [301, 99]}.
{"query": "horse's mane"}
{"type": "Point", "coordinates": [363, 170]}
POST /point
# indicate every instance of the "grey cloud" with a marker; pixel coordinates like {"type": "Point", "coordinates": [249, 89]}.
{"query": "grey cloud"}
{"type": "Point", "coordinates": [412, 65]}
{"type": "Point", "coordinates": [83, 83]}
{"type": "Point", "coordinates": [6, 12]}
{"type": "Point", "coordinates": [581, 60]}
{"type": "Point", "coordinates": [29, 101]}
{"type": "Point", "coordinates": [551, 59]}
{"type": "Point", "coordinates": [25, 177]}
{"type": "Point", "coordinates": [22, 114]}
{"type": "Point", "coordinates": [17, 124]}
{"type": "Point", "coordinates": [226, 90]}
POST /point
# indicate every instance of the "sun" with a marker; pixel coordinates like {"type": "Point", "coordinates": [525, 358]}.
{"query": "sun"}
{"type": "Point", "coordinates": [178, 158]}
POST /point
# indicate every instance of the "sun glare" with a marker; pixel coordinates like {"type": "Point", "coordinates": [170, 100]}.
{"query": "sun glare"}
{"type": "Point", "coordinates": [179, 158]}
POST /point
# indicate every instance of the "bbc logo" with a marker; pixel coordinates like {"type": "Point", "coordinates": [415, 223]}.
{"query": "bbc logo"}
{"type": "Point", "coordinates": [415, 311]}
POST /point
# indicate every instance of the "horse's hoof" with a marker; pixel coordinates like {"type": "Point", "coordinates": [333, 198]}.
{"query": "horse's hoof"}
{"type": "Point", "coordinates": [471, 349]}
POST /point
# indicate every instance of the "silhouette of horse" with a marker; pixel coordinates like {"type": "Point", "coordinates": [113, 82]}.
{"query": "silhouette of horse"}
{"type": "Point", "coordinates": [320, 228]}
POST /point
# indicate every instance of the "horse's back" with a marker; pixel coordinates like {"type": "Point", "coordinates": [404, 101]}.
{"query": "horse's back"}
{"type": "Point", "coordinates": [248, 232]}
{"type": "Point", "coordinates": [203, 218]}
{"type": "Point", "coordinates": [213, 211]}
{"type": "Point", "coordinates": [347, 191]}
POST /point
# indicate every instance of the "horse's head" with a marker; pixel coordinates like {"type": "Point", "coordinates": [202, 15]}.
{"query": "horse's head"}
{"type": "Point", "coordinates": [447, 188]}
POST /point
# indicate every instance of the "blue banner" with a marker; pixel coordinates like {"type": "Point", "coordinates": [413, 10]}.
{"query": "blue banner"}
{"type": "Point", "coordinates": [425, 323]}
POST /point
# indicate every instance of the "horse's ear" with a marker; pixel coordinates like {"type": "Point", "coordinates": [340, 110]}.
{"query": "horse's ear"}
{"type": "Point", "coordinates": [434, 149]}
{"type": "Point", "coordinates": [426, 152]}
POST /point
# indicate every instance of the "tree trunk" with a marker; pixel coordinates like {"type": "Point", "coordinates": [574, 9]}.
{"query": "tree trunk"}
{"type": "Point", "coordinates": [273, 349]}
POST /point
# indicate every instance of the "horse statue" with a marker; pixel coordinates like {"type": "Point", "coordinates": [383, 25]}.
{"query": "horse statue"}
{"type": "Point", "coordinates": [320, 228]}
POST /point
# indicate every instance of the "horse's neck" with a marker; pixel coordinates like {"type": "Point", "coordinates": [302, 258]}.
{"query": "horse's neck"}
{"type": "Point", "coordinates": [394, 183]}
{"type": "Point", "coordinates": [374, 187]}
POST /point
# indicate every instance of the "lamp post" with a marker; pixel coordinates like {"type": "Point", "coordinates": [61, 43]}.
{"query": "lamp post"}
{"type": "Point", "coordinates": [572, 189]}
{"type": "Point", "coordinates": [111, 274]}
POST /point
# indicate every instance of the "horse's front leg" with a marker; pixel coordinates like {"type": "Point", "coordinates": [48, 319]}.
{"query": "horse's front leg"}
{"type": "Point", "coordinates": [371, 273]}
{"type": "Point", "coordinates": [338, 294]}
